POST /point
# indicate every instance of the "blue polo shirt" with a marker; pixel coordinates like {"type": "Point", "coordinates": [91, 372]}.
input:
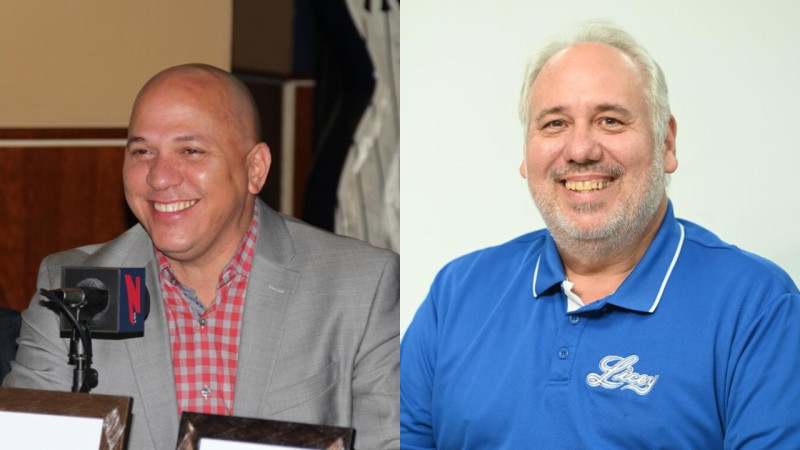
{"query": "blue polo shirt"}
{"type": "Point", "coordinates": [698, 348]}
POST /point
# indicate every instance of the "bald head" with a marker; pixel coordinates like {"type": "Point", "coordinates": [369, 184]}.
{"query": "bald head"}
{"type": "Point", "coordinates": [194, 164]}
{"type": "Point", "coordinates": [214, 85]}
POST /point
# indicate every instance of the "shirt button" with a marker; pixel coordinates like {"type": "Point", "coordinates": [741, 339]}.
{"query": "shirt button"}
{"type": "Point", "coordinates": [574, 319]}
{"type": "Point", "coordinates": [205, 392]}
{"type": "Point", "coordinates": [202, 322]}
{"type": "Point", "coordinates": [563, 353]}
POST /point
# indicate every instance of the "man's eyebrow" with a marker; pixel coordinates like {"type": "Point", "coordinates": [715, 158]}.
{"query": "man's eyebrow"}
{"type": "Point", "coordinates": [183, 138]}
{"type": "Point", "coordinates": [615, 107]}
{"type": "Point", "coordinates": [186, 138]}
{"type": "Point", "coordinates": [553, 110]}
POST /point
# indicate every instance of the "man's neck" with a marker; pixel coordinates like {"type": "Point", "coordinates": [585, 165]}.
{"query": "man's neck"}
{"type": "Point", "coordinates": [597, 268]}
{"type": "Point", "coordinates": [202, 274]}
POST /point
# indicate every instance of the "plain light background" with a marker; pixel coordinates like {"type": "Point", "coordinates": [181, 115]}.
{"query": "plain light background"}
{"type": "Point", "coordinates": [733, 71]}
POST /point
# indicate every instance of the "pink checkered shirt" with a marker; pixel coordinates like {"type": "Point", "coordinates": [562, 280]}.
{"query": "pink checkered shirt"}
{"type": "Point", "coordinates": [205, 341]}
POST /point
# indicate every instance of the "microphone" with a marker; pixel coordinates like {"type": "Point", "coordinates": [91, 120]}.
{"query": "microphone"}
{"type": "Point", "coordinates": [90, 300]}
{"type": "Point", "coordinates": [115, 298]}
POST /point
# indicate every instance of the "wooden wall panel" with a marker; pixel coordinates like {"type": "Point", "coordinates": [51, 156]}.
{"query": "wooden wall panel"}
{"type": "Point", "coordinates": [53, 199]}
{"type": "Point", "coordinates": [63, 133]}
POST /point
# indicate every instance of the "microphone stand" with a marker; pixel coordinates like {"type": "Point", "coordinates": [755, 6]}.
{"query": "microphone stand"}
{"type": "Point", "coordinates": [84, 378]}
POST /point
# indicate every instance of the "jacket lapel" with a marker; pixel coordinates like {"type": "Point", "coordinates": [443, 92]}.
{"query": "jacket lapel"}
{"type": "Point", "coordinates": [271, 287]}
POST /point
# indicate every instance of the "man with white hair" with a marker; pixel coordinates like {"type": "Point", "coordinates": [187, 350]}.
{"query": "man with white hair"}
{"type": "Point", "coordinates": [618, 326]}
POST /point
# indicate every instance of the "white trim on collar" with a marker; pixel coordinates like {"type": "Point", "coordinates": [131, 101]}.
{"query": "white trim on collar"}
{"type": "Point", "coordinates": [663, 283]}
{"type": "Point", "coordinates": [669, 271]}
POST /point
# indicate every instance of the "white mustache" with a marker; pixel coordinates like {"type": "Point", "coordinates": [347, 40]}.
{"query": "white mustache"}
{"type": "Point", "coordinates": [573, 169]}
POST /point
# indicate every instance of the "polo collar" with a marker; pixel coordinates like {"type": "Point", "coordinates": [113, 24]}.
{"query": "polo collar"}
{"type": "Point", "coordinates": [642, 289]}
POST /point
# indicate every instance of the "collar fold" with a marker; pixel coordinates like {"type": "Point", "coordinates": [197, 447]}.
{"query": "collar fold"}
{"type": "Point", "coordinates": [642, 289]}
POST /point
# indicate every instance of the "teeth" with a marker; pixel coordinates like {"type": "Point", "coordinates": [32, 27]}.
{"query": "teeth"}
{"type": "Point", "coordinates": [173, 207]}
{"type": "Point", "coordinates": [585, 186]}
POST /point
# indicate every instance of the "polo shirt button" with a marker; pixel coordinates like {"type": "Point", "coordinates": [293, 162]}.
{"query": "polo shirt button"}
{"type": "Point", "coordinates": [202, 322]}
{"type": "Point", "coordinates": [205, 392]}
{"type": "Point", "coordinates": [563, 353]}
{"type": "Point", "coordinates": [574, 319]}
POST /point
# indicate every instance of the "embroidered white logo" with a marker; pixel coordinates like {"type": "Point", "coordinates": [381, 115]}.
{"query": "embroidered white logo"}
{"type": "Point", "coordinates": [618, 371]}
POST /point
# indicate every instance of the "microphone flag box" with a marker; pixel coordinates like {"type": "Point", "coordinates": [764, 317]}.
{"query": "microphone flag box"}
{"type": "Point", "coordinates": [128, 300]}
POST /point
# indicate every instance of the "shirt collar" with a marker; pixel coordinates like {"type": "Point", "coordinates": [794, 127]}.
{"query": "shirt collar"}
{"type": "Point", "coordinates": [549, 270]}
{"type": "Point", "coordinates": [642, 289]}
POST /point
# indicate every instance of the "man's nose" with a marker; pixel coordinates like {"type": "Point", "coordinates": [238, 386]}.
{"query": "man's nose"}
{"type": "Point", "coordinates": [164, 173]}
{"type": "Point", "coordinates": [582, 146]}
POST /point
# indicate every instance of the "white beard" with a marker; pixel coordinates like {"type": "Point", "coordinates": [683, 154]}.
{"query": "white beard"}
{"type": "Point", "coordinates": [624, 226]}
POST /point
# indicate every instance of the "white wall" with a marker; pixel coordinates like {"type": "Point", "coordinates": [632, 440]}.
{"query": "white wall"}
{"type": "Point", "coordinates": [733, 71]}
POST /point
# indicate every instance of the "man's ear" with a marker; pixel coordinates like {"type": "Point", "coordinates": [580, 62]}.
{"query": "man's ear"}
{"type": "Point", "coordinates": [670, 158]}
{"type": "Point", "coordinates": [258, 161]}
{"type": "Point", "coordinates": [523, 169]}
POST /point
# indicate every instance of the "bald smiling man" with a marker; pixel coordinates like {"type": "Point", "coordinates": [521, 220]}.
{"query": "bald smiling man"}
{"type": "Point", "coordinates": [253, 313]}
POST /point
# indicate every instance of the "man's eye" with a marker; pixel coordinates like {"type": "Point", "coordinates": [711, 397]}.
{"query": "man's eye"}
{"type": "Point", "coordinates": [191, 151]}
{"type": "Point", "coordinates": [554, 124]}
{"type": "Point", "coordinates": [611, 121]}
{"type": "Point", "coordinates": [138, 152]}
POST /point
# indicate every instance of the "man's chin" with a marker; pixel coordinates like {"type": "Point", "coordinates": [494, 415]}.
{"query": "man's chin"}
{"type": "Point", "coordinates": [584, 209]}
{"type": "Point", "coordinates": [172, 248]}
{"type": "Point", "coordinates": [585, 226]}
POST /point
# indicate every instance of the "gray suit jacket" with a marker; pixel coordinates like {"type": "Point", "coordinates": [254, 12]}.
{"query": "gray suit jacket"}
{"type": "Point", "coordinates": [319, 339]}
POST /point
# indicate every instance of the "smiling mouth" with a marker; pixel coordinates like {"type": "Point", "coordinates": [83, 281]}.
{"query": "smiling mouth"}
{"type": "Point", "coordinates": [173, 207]}
{"type": "Point", "coordinates": [586, 186]}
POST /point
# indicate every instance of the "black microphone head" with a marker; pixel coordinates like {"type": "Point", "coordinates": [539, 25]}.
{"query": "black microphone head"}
{"type": "Point", "coordinates": [96, 297]}
{"type": "Point", "coordinates": [92, 283]}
